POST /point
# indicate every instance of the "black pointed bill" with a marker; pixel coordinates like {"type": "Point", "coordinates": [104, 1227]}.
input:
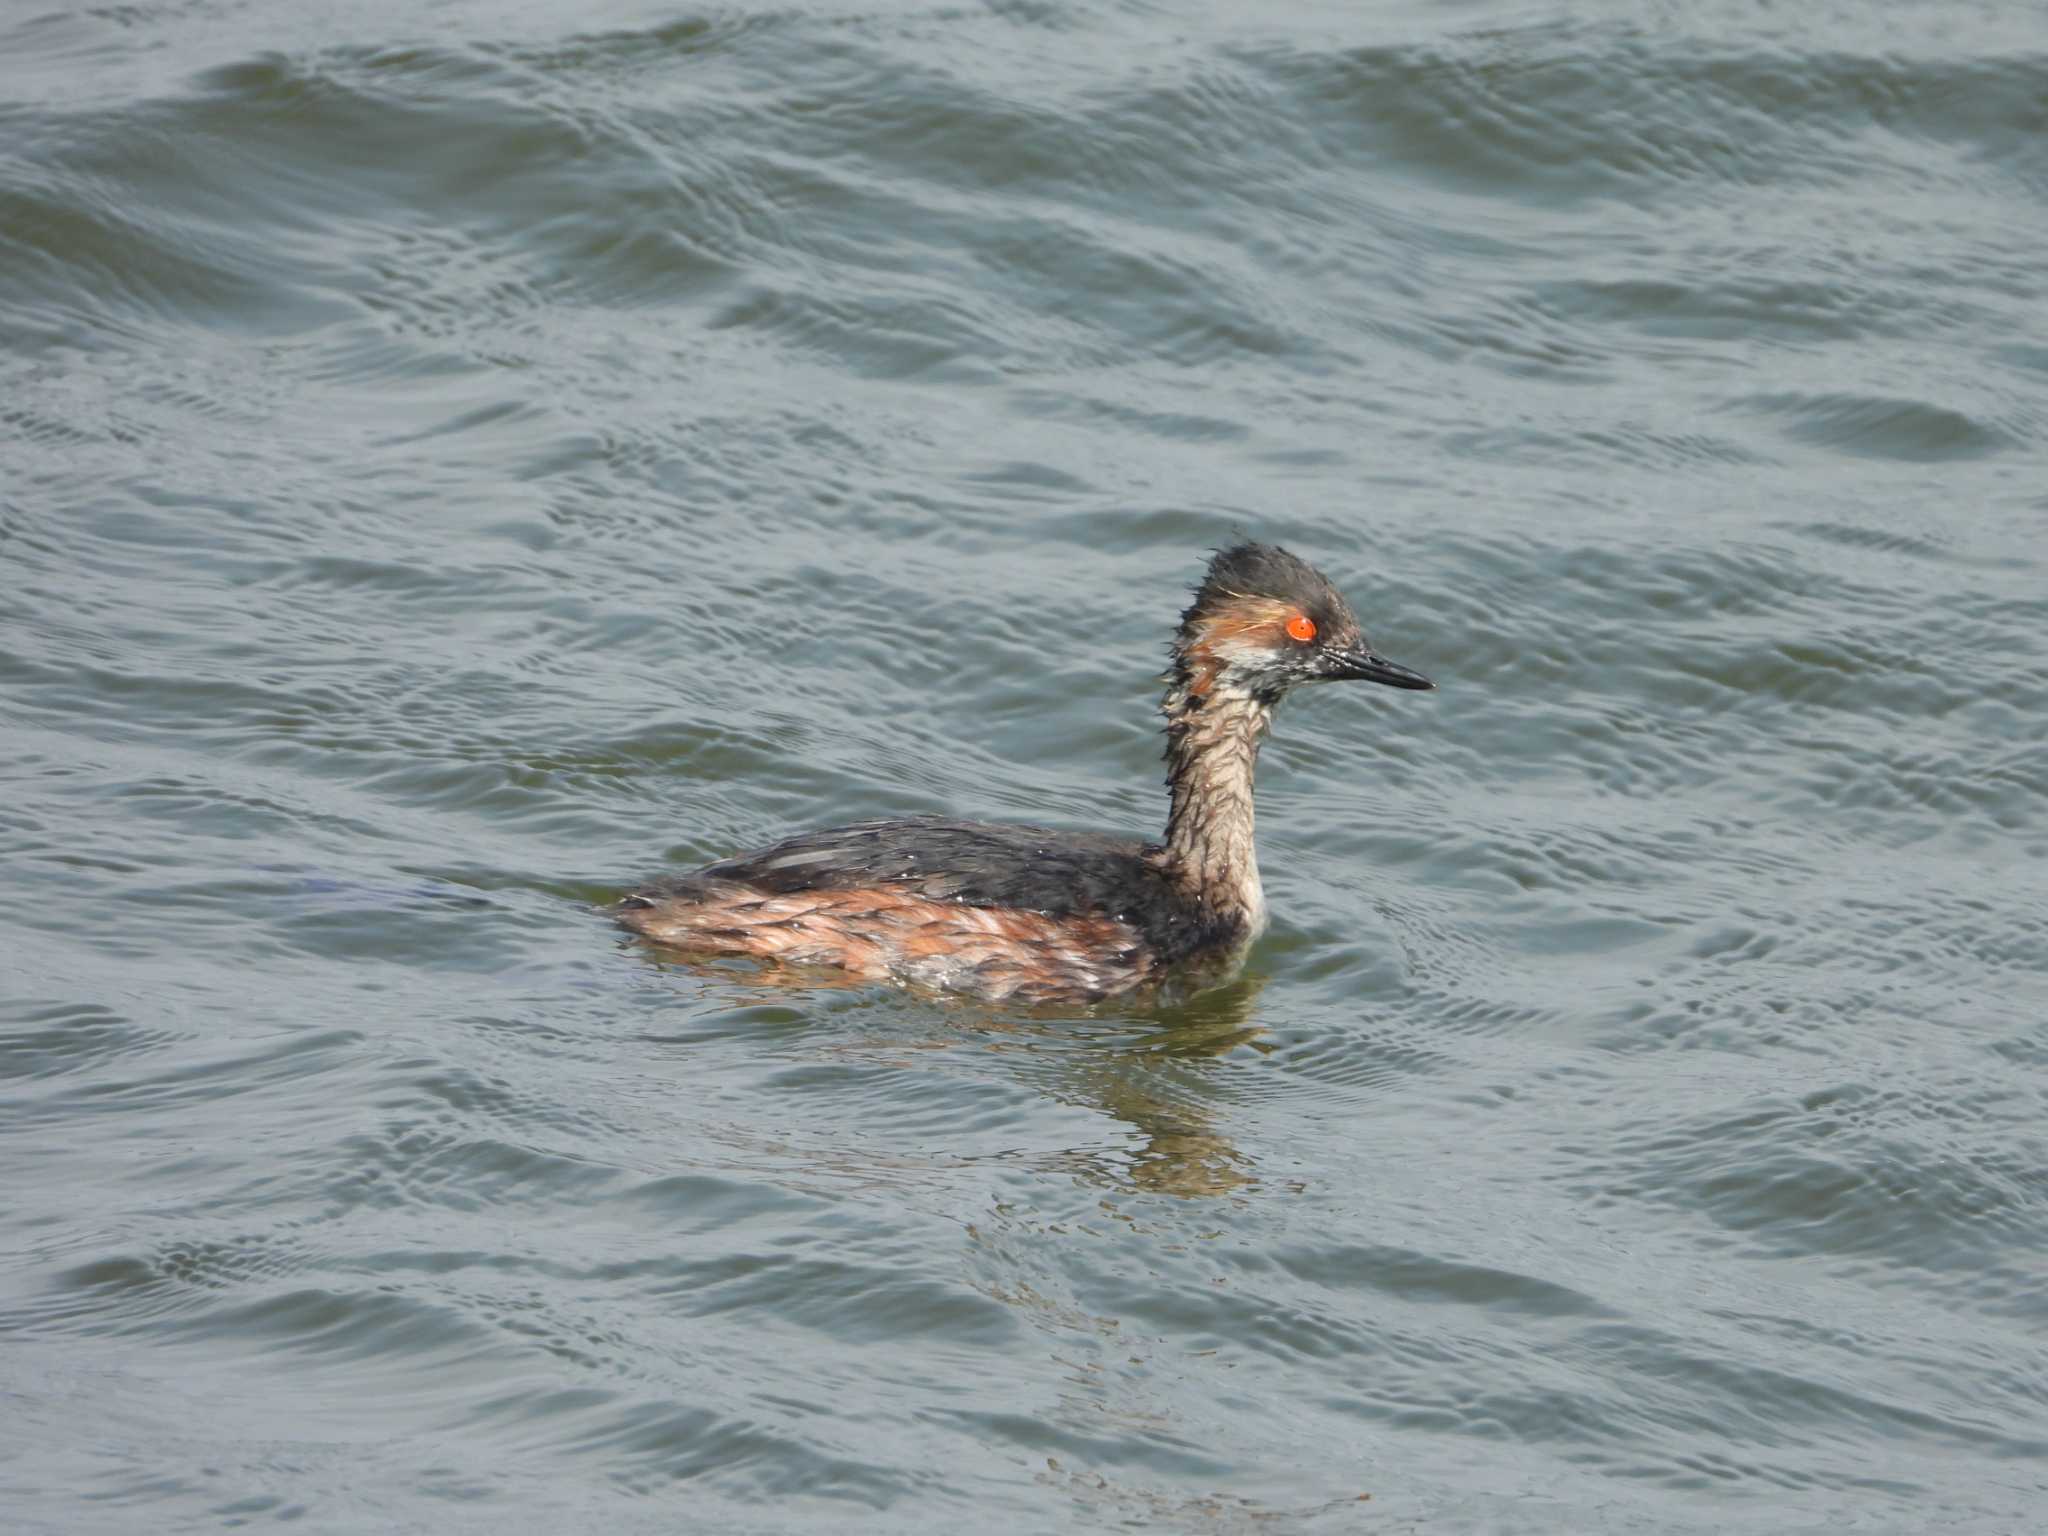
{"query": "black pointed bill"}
{"type": "Point", "coordinates": [1367, 667]}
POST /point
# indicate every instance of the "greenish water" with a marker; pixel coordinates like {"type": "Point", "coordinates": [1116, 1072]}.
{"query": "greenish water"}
{"type": "Point", "coordinates": [457, 460]}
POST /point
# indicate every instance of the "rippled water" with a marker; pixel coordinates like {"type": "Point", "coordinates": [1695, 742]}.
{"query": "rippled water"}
{"type": "Point", "coordinates": [457, 460]}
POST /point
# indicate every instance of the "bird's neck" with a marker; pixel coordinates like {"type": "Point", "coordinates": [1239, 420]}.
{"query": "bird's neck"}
{"type": "Point", "coordinates": [1212, 746]}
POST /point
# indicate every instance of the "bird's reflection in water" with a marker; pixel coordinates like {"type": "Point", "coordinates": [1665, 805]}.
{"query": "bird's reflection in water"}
{"type": "Point", "coordinates": [1153, 1069]}
{"type": "Point", "coordinates": [1164, 1083]}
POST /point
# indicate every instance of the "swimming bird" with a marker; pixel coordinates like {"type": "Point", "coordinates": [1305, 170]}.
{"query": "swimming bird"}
{"type": "Point", "coordinates": [1034, 915]}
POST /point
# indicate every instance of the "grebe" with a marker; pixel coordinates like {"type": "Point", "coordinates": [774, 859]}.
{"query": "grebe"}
{"type": "Point", "coordinates": [1039, 916]}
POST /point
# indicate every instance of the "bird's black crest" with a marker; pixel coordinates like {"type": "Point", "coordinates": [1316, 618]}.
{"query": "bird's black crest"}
{"type": "Point", "coordinates": [1252, 569]}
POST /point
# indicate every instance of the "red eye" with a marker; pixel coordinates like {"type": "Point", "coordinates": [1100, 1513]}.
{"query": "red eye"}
{"type": "Point", "coordinates": [1302, 627]}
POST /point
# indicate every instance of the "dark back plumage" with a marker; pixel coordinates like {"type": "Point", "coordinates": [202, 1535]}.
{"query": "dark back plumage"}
{"type": "Point", "coordinates": [976, 864]}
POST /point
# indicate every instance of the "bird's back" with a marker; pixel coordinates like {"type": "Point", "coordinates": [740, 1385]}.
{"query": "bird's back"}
{"type": "Point", "coordinates": [976, 863]}
{"type": "Point", "coordinates": [931, 890]}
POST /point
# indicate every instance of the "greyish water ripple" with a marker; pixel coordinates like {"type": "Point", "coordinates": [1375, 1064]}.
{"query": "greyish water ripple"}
{"type": "Point", "coordinates": [455, 462]}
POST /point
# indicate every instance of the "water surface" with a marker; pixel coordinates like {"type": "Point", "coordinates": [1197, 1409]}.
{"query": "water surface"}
{"type": "Point", "coordinates": [457, 460]}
